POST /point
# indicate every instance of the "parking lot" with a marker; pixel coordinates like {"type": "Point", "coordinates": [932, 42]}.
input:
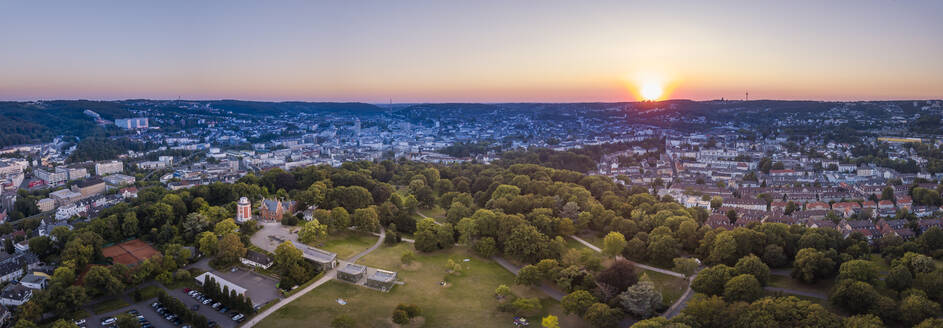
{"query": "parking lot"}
{"type": "Point", "coordinates": [260, 288]}
{"type": "Point", "coordinates": [222, 319]}
{"type": "Point", "coordinates": [144, 308]}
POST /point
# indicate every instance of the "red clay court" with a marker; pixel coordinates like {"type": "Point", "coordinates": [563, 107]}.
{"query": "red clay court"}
{"type": "Point", "coordinates": [130, 252]}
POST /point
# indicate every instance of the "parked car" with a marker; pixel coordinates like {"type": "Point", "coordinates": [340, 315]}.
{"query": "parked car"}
{"type": "Point", "coordinates": [80, 322]}
{"type": "Point", "coordinates": [177, 322]}
{"type": "Point", "coordinates": [223, 309]}
{"type": "Point", "coordinates": [237, 316]}
{"type": "Point", "coordinates": [217, 305]}
{"type": "Point", "coordinates": [109, 320]}
{"type": "Point", "coordinates": [186, 289]}
{"type": "Point", "coordinates": [134, 311]}
{"type": "Point", "coordinates": [211, 324]}
{"type": "Point", "coordinates": [155, 304]}
{"type": "Point", "coordinates": [207, 301]}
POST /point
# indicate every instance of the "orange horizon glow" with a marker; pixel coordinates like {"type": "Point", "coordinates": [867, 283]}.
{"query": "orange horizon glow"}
{"type": "Point", "coordinates": [433, 51]}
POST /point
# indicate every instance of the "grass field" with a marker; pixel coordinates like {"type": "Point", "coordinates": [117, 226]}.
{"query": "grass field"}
{"type": "Point", "coordinates": [671, 287]}
{"type": "Point", "coordinates": [467, 300]}
{"type": "Point", "coordinates": [822, 287]}
{"type": "Point", "coordinates": [347, 243]}
{"type": "Point", "coordinates": [109, 305]}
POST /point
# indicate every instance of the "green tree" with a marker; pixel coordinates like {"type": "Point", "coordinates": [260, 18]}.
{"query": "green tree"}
{"type": "Point", "coordinates": [208, 242]}
{"type": "Point", "coordinates": [287, 256]}
{"type": "Point", "coordinates": [126, 320]}
{"type": "Point", "coordinates": [577, 302]}
{"type": "Point", "coordinates": [529, 275]}
{"type": "Point", "coordinates": [312, 232]}
{"type": "Point", "coordinates": [811, 265]}
{"type": "Point", "coordinates": [225, 227]}
{"type": "Point", "coordinates": [603, 316]}
{"type": "Point", "coordinates": [753, 265]}
{"type": "Point", "coordinates": [231, 249]}
{"type": "Point", "coordinates": [366, 219]}
{"type": "Point", "coordinates": [744, 287]}
{"type": "Point", "coordinates": [527, 306]}
{"type": "Point", "coordinates": [707, 311]}
{"type": "Point", "coordinates": [899, 278]}
{"type": "Point", "coordinates": [864, 321]}
{"type": "Point", "coordinates": [613, 244]}
{"type": "Point", "coordinates": [711, 281]}
{"type": "Point", "coordinates": [916, 308]}
{"type": "Point", "coordinates": [854, 296]}
{"type": "Point", "coordinates": [685, 265]}
{"type": "Point", "coordinates": [860, 270]}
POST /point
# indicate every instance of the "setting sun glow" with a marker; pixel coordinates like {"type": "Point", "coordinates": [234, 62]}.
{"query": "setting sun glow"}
{"type": "Point", "coordinates": [651, 91]}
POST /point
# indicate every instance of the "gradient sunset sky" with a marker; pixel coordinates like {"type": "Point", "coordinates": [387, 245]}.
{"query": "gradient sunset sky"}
{"type": "Point", "coordinates": [470, 51]}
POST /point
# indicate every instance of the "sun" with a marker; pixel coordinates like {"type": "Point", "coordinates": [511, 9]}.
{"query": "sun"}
{"type": "Point", "coordinates": [651, 91]}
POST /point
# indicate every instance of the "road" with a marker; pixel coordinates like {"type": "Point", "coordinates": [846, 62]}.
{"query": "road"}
{"type": "Point", "coordinates": [547, 289]}
{"type": "Point", "coordinates": [328, 276]}
{"type": "Point", "coordinates": [643, 266]}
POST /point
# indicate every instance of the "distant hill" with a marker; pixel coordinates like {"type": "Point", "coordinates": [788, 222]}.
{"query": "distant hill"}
{"type": "Point", "coordinates": [22, 122]}
{"type": "Point", "coordinates": [267, 108]}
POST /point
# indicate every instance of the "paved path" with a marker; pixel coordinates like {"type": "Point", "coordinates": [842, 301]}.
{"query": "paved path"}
{"type": "Point", "coordinates": [682, 301]}
{"type": "Point", "coordinates": [643, 266]}
{"type": "Point", "coordinates": [328, 276]}
{"type": "Point", "coordinates": [797, 292]}
{"type": "Point", "coordinates": [427, 217]}
{"type": "Point", "coordinates": [547, 289]}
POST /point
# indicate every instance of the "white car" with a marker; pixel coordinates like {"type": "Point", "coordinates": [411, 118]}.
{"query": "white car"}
{"type": "Point", "coordinates": [108, 321]}
{"type": "Point", "coordinates": [237, 317]}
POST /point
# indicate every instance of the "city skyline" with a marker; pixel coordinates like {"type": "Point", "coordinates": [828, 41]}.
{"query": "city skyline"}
{"type": "Point", "coordinates": [415, 52]}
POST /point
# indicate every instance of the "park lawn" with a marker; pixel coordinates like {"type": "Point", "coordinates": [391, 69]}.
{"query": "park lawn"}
{"type": "Point", "coordinates": [347, 243]}
{"type": "Point", "coordinates": [109, 305]}
{"type": "Point", "coordinates": [671, 287]}
{"type": "Point", "coordinates": [389, 257]}
{"type": "Point", "coordinates": [468, 300]}
{"type": "Point", "coordinates": [822, 287]}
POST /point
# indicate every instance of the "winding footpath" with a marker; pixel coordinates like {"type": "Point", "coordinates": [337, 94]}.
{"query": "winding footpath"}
{"type": "Point", "coordinates": [643, 266]}
{"type": "Point", "coordinates": [328, 276]}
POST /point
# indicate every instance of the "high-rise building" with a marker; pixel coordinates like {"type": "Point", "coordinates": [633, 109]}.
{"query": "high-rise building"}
{"type": "Point", "coordinates": [243, 210]}
{"type": "Point", "coordinates": [132, 123]}
{"type": "Point", "coordinates": [106, 168]}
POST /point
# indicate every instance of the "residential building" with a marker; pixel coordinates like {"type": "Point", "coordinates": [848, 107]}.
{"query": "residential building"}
{"type": "Point", "coordinates": [256, 259]}
{"type": "Point", "coordinates": [15, 295]}
{"type": "Point", "coordinates": [34, 281]}
{"type": "Point", "coordinates": [106, 168]}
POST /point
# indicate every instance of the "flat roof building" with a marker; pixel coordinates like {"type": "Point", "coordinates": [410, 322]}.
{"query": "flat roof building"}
{"type": "Point", "coordinates": [351, 272]}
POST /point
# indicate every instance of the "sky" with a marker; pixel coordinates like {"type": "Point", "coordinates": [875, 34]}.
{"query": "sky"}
{"type": "Point", "coordinates": [471, 51]}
